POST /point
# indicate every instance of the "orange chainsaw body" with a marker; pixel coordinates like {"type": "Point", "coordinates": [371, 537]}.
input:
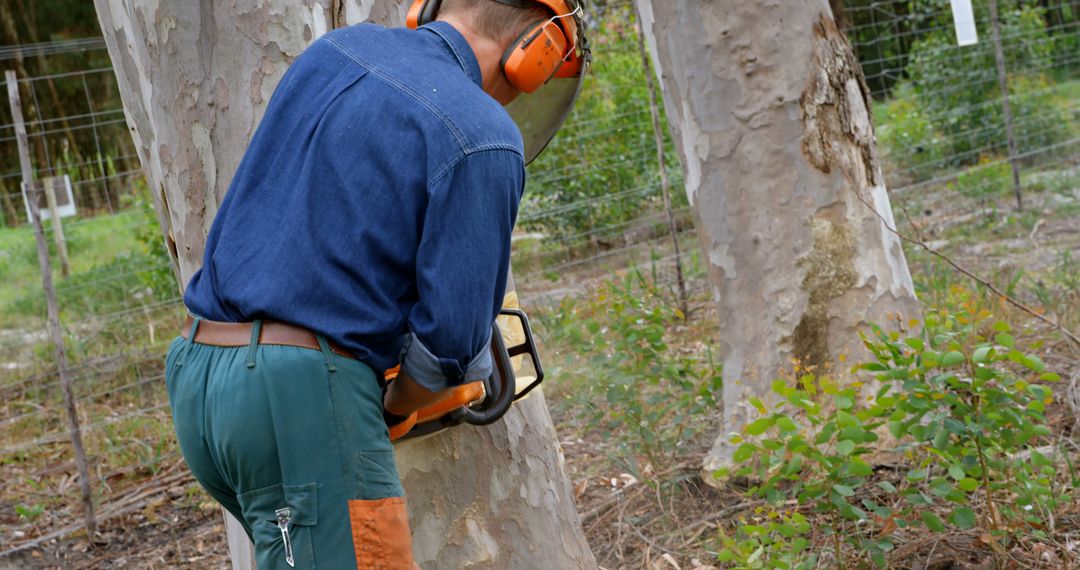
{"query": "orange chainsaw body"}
{"type": "Point", "coordinates": [477, 403]}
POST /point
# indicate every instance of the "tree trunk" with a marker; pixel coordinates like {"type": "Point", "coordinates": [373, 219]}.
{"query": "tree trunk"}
{"type": "Point", "coordinates": [195, 78]}
{"type": "Point", "coordinates": [770, 113]}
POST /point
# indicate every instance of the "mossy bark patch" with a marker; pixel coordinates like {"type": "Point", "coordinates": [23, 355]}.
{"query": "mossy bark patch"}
{"type": "Point", "coordinates": [830, 271]}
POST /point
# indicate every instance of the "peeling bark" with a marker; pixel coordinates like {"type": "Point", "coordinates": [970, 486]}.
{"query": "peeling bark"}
{"type": "Point", "coordinates": [195, 78]}
{"type": "Point", "coordinates": [770, 113]}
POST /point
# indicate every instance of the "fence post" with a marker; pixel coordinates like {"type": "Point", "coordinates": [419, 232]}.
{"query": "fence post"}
{"type": "Point", "coordinates": [665, 189]}
{"type": "Point", "coordinates": [52, 309]}
{"type": "Point", "coordinates": [58, 228]}
{"type": "Point", "coordinates": [1003, 82]}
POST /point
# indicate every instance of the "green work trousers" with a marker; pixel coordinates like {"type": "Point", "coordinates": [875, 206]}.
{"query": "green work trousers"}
{"type": "Point", "coordinates": [292, 442]}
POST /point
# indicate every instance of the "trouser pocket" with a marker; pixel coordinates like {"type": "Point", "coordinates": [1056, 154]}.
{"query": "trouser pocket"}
{"type": "Point", "coordinates": [282, 518]}
{"type": "Point", "coordinates": [380, 530]}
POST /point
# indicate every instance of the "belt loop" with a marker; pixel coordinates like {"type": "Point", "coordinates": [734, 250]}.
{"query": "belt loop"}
{"type": "Point", "coordinates": [191, 340]}
{"type": "Point", "coordinates": [256, 331]}
{"type": "Point", "coordinates": [194, 328]}
{"type": "Point", "coordinates": [328, 356]}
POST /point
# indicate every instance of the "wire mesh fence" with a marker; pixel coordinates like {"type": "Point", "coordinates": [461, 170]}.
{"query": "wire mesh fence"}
{"type": "Point", "coordinates": [945, 113]}
{"type": "Point", "coordinates": [76, 128]}
{"type": "Point", "coordinates": [593, 207]}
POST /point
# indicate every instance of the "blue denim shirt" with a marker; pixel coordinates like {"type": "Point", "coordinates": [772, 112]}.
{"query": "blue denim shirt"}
{"type": "Point", "coordinates": [374, 205]}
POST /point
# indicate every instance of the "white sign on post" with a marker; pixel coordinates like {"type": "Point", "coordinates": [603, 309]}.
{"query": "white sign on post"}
{"type": "Point", "coordinates": [65, 199]}
{"type": "Point", "coordinates": [964, 22]}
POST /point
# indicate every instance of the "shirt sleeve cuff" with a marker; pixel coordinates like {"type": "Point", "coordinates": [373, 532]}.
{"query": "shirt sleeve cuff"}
{"type": "Point", "coordinates": [437, 374]}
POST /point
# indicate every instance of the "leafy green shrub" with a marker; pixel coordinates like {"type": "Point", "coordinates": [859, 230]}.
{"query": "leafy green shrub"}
{"type": "Point", "coordinates": [774, 539]}
{"type": "Point", "coordinates": [1066, 42]}
{"type": "Point", "coordinates": [812, 447]}
{"type": "Point", "coordinates": [963, 404]}
{"type": "Point", "coordinates": [973, 405]}
{"type": "Point", "coordinates": [600, 171]}
{"type": "Point", "coordinates": [159, 278]}
{"type": "Point", "coordinates": [1041, 114]}
{"type": "Point", "coordinates": [959, 90]}
{"type": "Point", "coordinates": [910, 142]}
{"type": "Point", "coordinates": [656, 395]}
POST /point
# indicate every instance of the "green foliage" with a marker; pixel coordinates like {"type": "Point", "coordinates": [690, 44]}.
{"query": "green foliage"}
{"type": "Point", "coordinates": [960, 400]}
{"type": "Point", "coordinates": [1062, 21]}
{"type": "Point", "coordinates": [959, 91]}
{"type": "Point", "coordinates": [653, 395]}
{"type": "Point", "coordinates": [908, 137]}
{"type": "Point", "coordinates": [601, 171]}
{"type": "Point", "coordinates": [992, 176]}
{"type": "Point", "coordinates": [158, 278]}
{"type": "Point", "coordinates": [812, 447]}
{"type": "Point", "coordinates": [30, 513]}
{"type": "Point", "coordinates": [973, 406]}
{"type": "Point", "coordinates": [772, 540]}
{"type": "Point", "coordinates": [103, 289]}
{"type": "Point", "coordinates": [102, 280]}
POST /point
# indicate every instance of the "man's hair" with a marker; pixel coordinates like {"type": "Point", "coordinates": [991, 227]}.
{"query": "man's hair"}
{"type": "Point", "coordinates": [496, 21]}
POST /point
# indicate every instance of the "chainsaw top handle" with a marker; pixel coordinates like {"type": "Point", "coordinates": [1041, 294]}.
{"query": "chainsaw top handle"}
{"type": "Point", "coordinates": [527, 347]}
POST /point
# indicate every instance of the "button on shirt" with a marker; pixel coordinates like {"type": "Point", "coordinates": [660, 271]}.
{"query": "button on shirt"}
{"type": "Point", "coordinates": [374, 205]}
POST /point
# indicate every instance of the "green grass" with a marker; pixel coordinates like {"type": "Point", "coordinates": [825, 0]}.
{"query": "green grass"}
{"type": "Point", "coordinates": [1070, 90]}
{"type": "Point", "coordinates": [92, 243]}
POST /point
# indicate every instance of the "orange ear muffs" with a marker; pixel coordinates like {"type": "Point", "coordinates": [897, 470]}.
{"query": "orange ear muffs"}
{"type": "Point", "coordinates": [422, 12]}
{"type": "Point", "coordinates": [535, 56]}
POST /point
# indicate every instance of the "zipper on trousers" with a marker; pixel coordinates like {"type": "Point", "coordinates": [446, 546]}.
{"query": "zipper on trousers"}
{"type": "Point", "coordinates": [283, 518]}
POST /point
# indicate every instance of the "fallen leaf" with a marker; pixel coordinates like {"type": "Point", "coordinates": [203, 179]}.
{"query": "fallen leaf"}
{"type": "Point", "coordinates": [580, 488]}
{"type": "Point", "coordinates": [887, 526]}
{"type": "Point", "coordinates": [671, 560]}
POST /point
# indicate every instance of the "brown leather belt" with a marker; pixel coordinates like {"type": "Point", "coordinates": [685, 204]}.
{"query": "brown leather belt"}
{"type": "Point", "coordinates": [272, 332]}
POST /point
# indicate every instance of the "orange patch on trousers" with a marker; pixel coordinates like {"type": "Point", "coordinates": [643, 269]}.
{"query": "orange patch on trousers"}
{"type": "Point", "coordinates": [381, 537]}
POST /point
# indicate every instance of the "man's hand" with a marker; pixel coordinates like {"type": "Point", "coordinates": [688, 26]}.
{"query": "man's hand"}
{"type": "Point", "coordinates": [404, 396]}
{"type": "Point", "coordinates": [406, 403]}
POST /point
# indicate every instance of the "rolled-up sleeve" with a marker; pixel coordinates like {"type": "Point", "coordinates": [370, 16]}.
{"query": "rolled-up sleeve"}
{"type": "Point", "coordinates": [461, 268]}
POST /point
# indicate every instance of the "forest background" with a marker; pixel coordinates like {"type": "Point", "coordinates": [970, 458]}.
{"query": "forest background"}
{"type": "Point", "coordinates": [594, 261]}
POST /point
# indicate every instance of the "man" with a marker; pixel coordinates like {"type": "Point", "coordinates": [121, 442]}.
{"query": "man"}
{"type": "Point", "coordinates": [368, 225]}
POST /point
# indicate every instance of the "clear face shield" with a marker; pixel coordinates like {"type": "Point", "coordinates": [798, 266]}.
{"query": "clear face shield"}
{"type": "Point", "coordinates": [540, 114]}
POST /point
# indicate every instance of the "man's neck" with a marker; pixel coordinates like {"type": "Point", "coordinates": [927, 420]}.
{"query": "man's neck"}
{"type": "Point", "coordinates": [488, 55]}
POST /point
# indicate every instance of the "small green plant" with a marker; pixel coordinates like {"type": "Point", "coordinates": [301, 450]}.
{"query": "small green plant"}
{"type": "Point", "coordinates": [655, 394]}
{"type": "Point", "coordinates": [153, 454]}
{"type": "Point", "coordinates": [961, 403]}
{"type": "Point", "coordinates": [159, 279]}
{"type": "Point", "coordinates": [771, 539]}
{"type": "Point", "coordinates": [30, 513]}
{"type": "Point", "coordinates": [812, 447]}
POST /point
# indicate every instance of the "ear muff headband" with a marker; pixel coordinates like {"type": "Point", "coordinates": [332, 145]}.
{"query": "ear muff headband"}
{"type": "Point", "coordinates": [422, 12]}
{"type": "Point", "coordinates": [535, 56]}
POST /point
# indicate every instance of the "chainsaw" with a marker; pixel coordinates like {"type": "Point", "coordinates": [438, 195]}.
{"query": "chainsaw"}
{"type": "Point", "coordinates": [478, 403]}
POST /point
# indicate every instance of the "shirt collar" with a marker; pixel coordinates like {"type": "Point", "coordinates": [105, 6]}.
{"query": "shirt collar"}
{"type": "Point", "coordinates": [459, 47]}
